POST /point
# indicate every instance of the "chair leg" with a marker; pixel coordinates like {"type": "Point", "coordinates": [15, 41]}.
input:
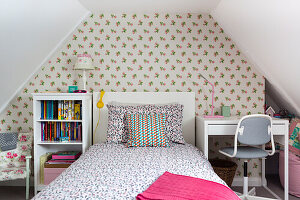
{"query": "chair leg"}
{"type": "Point", "coordinates": [27, 185]}
{"type": "Point", "coordinates": [245, 188]}
{"type": "Point", "coordinates": [27, 175]}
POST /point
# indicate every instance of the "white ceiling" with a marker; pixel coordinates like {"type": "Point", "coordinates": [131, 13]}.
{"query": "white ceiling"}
{"type": "Point", "coordinates": [144, 6]}
{"type": "Point", "coordinates": [268, 32]}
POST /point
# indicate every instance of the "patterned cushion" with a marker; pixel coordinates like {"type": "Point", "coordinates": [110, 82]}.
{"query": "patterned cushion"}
{"type": "Point", "coordinates": [16, 157]}
{"type": "Point", "coordinates": [294, 136]}
{"type": "Point", "coordinates": [146, 130]}
{"type": "Point", "coordinates": [117, 128]}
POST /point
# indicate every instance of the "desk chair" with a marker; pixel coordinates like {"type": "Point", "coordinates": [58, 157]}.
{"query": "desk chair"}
{"type": "Point", "coordinates": [251, 130]}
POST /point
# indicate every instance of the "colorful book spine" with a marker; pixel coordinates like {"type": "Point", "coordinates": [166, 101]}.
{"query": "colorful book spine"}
{"type": "Point", "coordinates": [73, 109]}
{"type": "Point", "coordinates": [42, 109]}
{"type": "Point", "coordinates": [49, 110]}
{"type": "Point", "coordinates": [77, 111]}
{"type": "Point", "coordinates": [42, 131]}
{"type": "Point", "coordinates": [66, 106]}
{"type": "Point", "coordinates": [45, 109]}
{"type": "Point", "coordinates": [52, 110]}
{"type": "Point", "coordinates": [70, 110]}
{"type": "Point", "coordinates": [59, 110]}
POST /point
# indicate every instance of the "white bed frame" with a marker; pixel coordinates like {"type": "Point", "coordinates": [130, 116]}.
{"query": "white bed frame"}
{"type": "Point", "coordinates": [185, 98]}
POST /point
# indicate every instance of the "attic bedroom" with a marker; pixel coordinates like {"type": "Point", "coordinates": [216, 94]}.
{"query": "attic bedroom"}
{"type": "Point", "coordinates": [194, 99]}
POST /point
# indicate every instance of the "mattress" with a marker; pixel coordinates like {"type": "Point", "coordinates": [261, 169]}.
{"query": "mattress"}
{"type": "Point", "coordinates": [113, 171]}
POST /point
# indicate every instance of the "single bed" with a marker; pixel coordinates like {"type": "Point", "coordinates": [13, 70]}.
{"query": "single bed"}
{"type": "Point", "coordinates": [114, 171]}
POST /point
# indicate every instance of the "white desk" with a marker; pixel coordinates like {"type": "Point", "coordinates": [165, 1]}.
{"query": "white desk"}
{"type": "Point", "coordinates": [227, 127]}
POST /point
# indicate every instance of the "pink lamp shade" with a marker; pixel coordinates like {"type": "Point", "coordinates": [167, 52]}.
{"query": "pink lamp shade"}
{"type": "Point", "coordinates": [84, 62]}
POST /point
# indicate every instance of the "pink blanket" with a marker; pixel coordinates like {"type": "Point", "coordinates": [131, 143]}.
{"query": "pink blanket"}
{"type": "Point", "coordinates": [176, 187]}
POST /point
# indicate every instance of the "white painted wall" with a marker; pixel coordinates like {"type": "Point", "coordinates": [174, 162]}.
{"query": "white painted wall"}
{"type": "Point", "coordinates": [268, 32]}
{"type": "Point", "coordinates": [145, 6]}
{"type": "Point", "coordinates": [29, 31]}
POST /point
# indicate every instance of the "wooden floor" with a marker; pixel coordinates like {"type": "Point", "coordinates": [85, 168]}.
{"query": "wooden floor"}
{"type": "Point", "coordinates": [18, 193]}
{"type": "Point", "coordinates": [273, 184]}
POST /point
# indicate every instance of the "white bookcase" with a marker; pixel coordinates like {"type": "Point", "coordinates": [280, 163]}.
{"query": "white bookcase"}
{"type": "Point", "coordinates": [41, 147]}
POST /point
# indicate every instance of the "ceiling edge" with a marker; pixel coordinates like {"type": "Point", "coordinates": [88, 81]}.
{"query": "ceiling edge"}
{"type": "Point", "coordinates": [2, 108]}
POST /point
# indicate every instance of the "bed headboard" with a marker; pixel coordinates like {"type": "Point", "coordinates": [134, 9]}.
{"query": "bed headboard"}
{"type": "Point", "coordinates": [185, 98]}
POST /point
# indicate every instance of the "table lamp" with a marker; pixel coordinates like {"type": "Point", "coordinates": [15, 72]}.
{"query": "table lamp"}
{"type": "Point", "coordinates": [212, 101]}
{"type": "Point", "coordinates": [84, 62]}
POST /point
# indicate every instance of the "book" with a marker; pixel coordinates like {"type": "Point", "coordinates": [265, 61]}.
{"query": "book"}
{"type": "Point", "coordinates": [63, 155]}
{"type": "Point", "coordinates": [55, 109]}
{"type": "Point", "coordinates": [66, 106]}
{"type": "Point", "coordinates": [57, 165]}
{"type": "Point", "coordinates": [70, 110]}
{"type": "Point", "coordinates": [73, 109]}
{"type": "Point", "coordinates": [77, 111]}
{"type": "Point", "coordinates": [42, 109]}
{"type": "Point", "coordinates": [59, 110]}
{"type": "Point", "coordinates": [45, 109]}
{"type": "Point", "coordinates": [61, 161]}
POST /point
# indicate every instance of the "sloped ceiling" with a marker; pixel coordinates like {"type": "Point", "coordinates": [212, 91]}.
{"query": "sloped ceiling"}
{"type": "Point", "coordinates": [30, 31]}
{"type": "Point", "coordinates": [268, 32]}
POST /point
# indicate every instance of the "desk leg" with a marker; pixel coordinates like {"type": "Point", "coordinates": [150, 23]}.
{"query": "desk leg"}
{"type": "Point", "coordinates": [286, 163]}
{"type": "Point", "coordinates": [263, 171]}
{"type": "Point", "coordinates": [206, 145]}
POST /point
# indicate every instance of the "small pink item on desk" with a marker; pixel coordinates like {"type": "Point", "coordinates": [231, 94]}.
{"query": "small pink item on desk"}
{"type": "Point", "coordinates": [212, 102]}
{"type": "Point", "coordinates": [176, 187]}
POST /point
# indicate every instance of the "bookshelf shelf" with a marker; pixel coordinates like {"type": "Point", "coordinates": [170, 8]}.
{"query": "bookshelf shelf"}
{"type": "Point", "coordinates": [60, 143]}
{"type": "Point", "coordinates": [58, 120]}
{"type": "Point", "coordinates": [43, 144]}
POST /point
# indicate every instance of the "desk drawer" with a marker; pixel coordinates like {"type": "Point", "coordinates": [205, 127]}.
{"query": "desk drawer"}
{"type": "Point", "coordinates": [278, 129]}
{"type": "Point", "coordinates": [221, 129]}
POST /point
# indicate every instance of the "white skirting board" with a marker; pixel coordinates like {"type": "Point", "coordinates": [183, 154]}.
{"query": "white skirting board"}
{"type": "Point", "coordinates": [17, 182]}
{"type": "Point", "coordinates": [253, 181]}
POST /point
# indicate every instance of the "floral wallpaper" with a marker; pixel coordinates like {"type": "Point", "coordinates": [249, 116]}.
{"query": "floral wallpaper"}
{"type": "Point", "coordinates": [150, 52]}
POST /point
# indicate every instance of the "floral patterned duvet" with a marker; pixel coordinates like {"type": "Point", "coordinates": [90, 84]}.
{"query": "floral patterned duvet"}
{"type": "Point", "coordinates": [113, 171]}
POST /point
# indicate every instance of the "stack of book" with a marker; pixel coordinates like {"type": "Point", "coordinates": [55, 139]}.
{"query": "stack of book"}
{"type": "Point", "coordinates": [61, 110]}
{"type": "Point", "coordinates": [62, 159]}
{"type": "Point", "coordinates": [61, 131]}
{"type": "Point", "coordinates": [58, 162]}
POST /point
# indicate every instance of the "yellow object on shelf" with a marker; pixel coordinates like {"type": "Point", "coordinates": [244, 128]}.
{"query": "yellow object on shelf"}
{"type": "Point", "coordinates": [43, 159]}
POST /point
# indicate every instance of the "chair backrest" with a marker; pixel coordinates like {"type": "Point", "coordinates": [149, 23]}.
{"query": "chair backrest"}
{"type": "Point", "coordinates": [255, 129]}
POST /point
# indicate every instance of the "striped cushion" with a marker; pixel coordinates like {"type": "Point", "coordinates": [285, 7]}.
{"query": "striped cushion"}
{"type": "Point", "coordinates": [146, 130]}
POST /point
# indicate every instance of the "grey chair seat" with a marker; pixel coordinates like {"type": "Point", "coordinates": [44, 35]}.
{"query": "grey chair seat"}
{"type": "Point", "coordinates": [245, 152]}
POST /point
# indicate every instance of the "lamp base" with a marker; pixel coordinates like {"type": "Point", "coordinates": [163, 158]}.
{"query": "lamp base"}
{"type": "Point", "coordinates": [213, 116]}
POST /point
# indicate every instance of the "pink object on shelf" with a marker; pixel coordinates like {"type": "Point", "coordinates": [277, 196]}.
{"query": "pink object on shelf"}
{"type": "Point", "coordinates": [172, 186]}
{"type": "Point", "coordinates": [58, 156]}
{"type": "Point", "coordinates": [51, 173]}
